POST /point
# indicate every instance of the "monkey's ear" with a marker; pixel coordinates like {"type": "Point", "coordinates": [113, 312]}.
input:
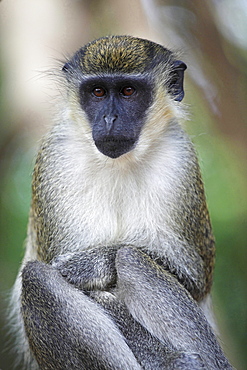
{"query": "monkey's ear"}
{"type": "Point", "coordinates": [175, 85]}
{"type": "Point", "coordinates": [67, 70]}
{"type": "Point", "coordinates": [66, 67]}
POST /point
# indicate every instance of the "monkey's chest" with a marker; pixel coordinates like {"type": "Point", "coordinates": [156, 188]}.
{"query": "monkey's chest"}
{"type": "Point", "coordinates": [107, 219]}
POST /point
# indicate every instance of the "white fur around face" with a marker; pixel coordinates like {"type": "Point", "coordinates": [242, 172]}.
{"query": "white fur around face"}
{"type": "Point", "coordinates": [118, 201]}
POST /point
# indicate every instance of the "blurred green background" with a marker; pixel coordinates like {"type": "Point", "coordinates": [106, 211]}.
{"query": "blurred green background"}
{"type": "Point", "coordinates": [212, 38]}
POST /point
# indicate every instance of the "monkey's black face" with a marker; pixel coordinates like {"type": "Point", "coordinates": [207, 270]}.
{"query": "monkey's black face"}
{"type": "Point", "coordinates": [116, 107]}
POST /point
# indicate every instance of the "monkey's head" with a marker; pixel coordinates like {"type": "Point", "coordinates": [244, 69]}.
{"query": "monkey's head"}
{"type": "Point", "coordinates": [116, 80]}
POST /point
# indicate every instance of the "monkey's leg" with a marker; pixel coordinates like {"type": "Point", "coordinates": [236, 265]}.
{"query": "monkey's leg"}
{"type": "Point", "coordinates": [150, 352]}
{"type": "Point", "coordinates": [164, 307]}
{"type": "Point", "coordinates": [94, 270]}
{"type": "Point", "coordinates": [65, 328]}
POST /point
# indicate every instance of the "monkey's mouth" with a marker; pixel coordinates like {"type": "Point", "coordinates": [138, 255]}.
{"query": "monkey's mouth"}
{"type": "Point", "coordinates": [114, 147]}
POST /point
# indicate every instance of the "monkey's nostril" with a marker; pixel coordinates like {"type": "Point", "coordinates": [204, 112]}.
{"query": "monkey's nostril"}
{"type": "Point", "coordinates": [109, 119]}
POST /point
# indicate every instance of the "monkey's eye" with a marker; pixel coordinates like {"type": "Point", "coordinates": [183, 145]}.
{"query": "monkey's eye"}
{"type": "Point", "coordinates": [99, 92]}
{"type": "Point", "coordinates": [127, 91]}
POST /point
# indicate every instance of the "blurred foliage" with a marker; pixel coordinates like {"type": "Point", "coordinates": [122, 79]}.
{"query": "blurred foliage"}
{"type": "Point", "coordinates": [220, 142]}
{"type": "Point", "coordinates": [226, 189]}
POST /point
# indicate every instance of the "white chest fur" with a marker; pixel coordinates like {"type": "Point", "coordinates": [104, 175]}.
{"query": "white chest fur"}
{"type": "Point", "coordinates": [117, 201]}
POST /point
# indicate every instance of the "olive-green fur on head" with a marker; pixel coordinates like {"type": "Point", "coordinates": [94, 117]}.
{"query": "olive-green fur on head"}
{"type": "Point", "coordinates": [120, 54]}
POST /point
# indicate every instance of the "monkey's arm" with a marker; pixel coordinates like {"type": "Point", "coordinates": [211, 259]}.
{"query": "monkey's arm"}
{"type": "Point", "coordinates": [89, 269]}
{"type": "Point", "coordinates": [95, 268]}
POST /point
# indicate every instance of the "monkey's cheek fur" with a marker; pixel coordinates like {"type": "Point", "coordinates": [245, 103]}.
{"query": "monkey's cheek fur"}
{"type": "Point", "coordinates": [114, 147]}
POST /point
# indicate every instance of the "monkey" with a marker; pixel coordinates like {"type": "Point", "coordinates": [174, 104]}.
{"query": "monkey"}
{"type": "Point", "coordinates": [120, 250]}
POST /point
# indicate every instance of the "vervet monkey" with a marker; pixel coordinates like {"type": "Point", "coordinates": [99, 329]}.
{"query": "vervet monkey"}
{"type": "Point", "coordinates": [120, 252]}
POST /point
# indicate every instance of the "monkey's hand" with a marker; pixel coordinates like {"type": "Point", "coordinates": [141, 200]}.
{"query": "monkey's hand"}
{"type": "Point", "coordinates": [91, 269]}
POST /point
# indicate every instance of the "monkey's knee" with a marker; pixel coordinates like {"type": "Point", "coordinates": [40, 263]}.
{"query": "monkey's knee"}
{"type": "Point", "coordinates": [34, 275]}
{"type": "Point", "coordinates": [134, 268]}
{"type": "Point", "coordinates": [41, 285]}
{"type": "Point", "coordinates": [131, 259]}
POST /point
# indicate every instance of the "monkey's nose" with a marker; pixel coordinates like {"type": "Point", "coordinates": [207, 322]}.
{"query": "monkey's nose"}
{"type": "Point", "coordinates": [109, 122]}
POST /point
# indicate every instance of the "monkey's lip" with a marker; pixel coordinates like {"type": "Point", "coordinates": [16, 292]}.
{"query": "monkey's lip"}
{"type": "Point", "coordinates": [114, 147]}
